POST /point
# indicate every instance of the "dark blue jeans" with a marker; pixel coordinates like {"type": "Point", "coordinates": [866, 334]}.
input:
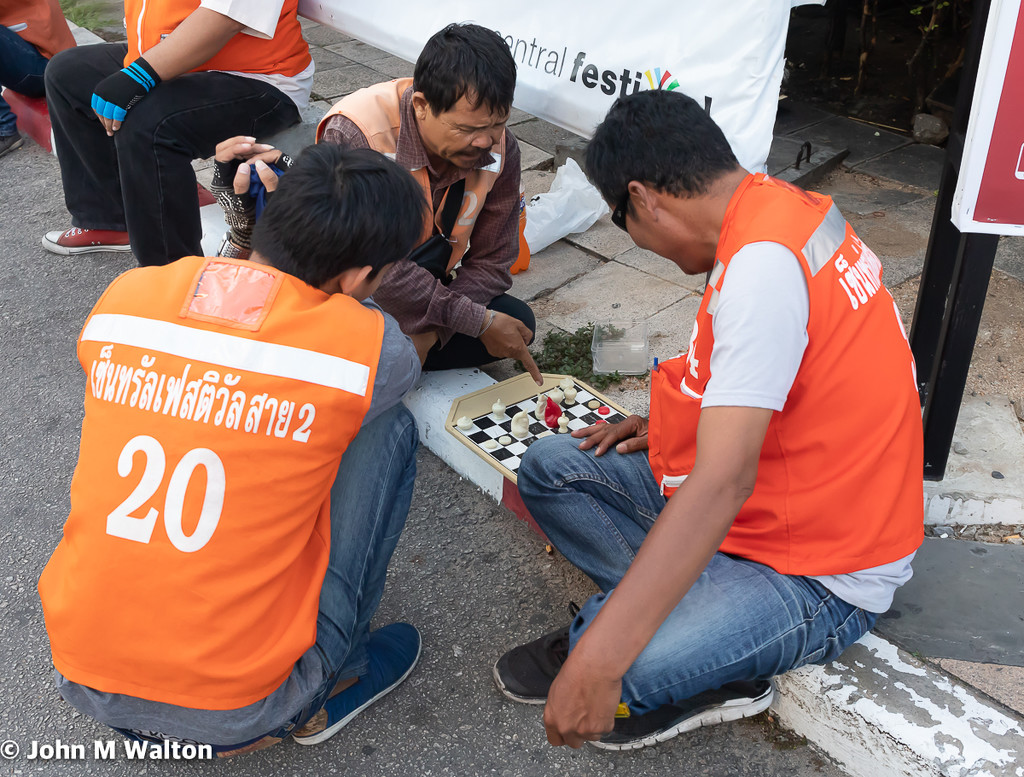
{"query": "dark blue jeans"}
{"type": "Point", "coordinates": [740, 620]}
{"type": "Point", "coordinates": [21, 70]}
{"type": "Point", "coordinates": [141, 180]}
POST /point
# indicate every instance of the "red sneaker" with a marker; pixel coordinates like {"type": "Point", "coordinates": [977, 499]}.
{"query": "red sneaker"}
{"type": "Point", "coordinates": [85, 241]}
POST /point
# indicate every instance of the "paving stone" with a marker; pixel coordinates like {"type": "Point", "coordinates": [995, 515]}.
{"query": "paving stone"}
{"type": "Point", "coordinates": [533, 158]}
{"type": "Point", "coordinates": [652, 264]}
{"type": "Point", "coordinates": [858, 195]}
{"type": "Point", "coordinates": [324, 59]}
{"type": "Point", "coordinates": [537, 182]}
{"type": "Point", "coordinates": [358, 51]}
{"type": "Point", "coordinates": [543, 134]}
{"type": "Point", "coordinates": [612, 292]}
{"type": "Point", "coordinates": [552, 268]}
{"type": "Point", "coordinates": [668, 332]}
{"type": "Point", "coordinates": [782, 154]}
{"type": "Point", "coordinates": [917, 165]}
{"type": "Point", "coordinates": [863, 140]}
{"type": "Point", "coordinates": [320, 35]}
{"type": "Point", "coordinates": [392, 66]}
{"type": "Point", "coordinates": [1010, 256]}
{"type": "Point", "coordinates": [517, 116]}
{"type": "Point", "coordinates": [1005, 684]}
{"type": "Point", "coordinates": [340, 81]}
{"type": "Point", "coordinates": [793, 115]}
{"type": "Point", "coordinates": [604, 239]}
{"type": "Point", "coordinates": [899, 238]}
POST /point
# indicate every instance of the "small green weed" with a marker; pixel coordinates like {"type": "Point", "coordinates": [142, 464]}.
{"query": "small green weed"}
{"type": "Point", "coordinates": [84, 13]}
{"type": "Point", "coordinates": [568, 353]}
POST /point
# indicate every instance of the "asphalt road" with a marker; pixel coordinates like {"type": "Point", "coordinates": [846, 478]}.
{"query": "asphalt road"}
{"type": "Point", "coordinates": [473, 579]}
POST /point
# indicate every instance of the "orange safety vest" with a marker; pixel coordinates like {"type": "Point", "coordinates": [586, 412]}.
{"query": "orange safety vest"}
{"type": "Point", "coordinates": [46, 28]}
{"type": "Point", "coordinates": [377, 112]}
{"type": "Point", "coordinates": [150, 21]}
{"type": "Point", "coordinates": [220, 397]}
{"type": "Point", "coordinates": [838, 484]}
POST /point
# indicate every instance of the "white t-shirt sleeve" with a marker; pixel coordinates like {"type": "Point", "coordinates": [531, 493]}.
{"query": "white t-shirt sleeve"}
{"type": "Point", "coordinates": [760, 327]}
{"type": "Point", "coordinates": [259, 16]}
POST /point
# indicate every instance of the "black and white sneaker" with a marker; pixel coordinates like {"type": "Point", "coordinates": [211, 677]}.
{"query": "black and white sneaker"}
{"type": "Point", "coordinates": [525, 673]}
{"type": "Point", "coordinates": [730, 702]}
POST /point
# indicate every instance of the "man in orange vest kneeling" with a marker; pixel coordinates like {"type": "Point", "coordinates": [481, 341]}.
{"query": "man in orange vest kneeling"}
{"type": "Point", "coordinates": [765, 514]}
{"type": "Point", "coordinates": [446, 126]}
{"type": "Point", "coordinates": [246, 469]}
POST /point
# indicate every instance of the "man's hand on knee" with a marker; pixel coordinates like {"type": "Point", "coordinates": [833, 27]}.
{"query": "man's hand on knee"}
{"type": "Point", "coordinates": [119, 92]}
{"type": "Point", "coordinates": [627, 436]}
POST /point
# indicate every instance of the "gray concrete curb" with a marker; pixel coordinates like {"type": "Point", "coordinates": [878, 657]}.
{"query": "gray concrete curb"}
{"type": "Point", "coordinates": [876, 711]}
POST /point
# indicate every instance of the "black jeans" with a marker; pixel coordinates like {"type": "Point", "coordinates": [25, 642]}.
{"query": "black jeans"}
{"type": "Point", "coordinates": [465, 351]}
{"type": "Point", "coordinates": [141, 180]}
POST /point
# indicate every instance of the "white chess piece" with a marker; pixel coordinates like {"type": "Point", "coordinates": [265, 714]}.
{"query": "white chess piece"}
{"type": "Point", "coordinates": [498, 408]}
{"type": "Point", "coordinates": [542, 402]}
{"type": "Point", "coordinates": [570, 395]}
{"type": "Point", "coordinates": [464, 423]}
{"type": "Point", "coordinates": [566, 384]}
{"type": "Point", "coordinates": [556, 396]}
{"type": "Point", "coordinates": [563, 424]}
{"type": "Point", "coordinates": [520, 424]}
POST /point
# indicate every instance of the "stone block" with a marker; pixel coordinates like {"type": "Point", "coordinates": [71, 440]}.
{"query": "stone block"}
{"type": "Point", "coordinates": [324, 59]}
{"type": "Point", "coordinates": [340, 81]}
{"type": "Point", "coordinates": [391, 66]}
{"type": "Point", "coordinates": [668, 332]}
{"type": "Point", "coordinates": [321, 35]}
{"type": "Point", "coordinates": [537, 182]}
{"type": "Point", "coordinates": [295, 138]}
{"type": "Point", "coordinates": [533, 158]}
{"type": "Point", "coordinates": [937, 510]}
{"type": "Point", "coordinates": [552, 268]}
{"type": "Point", "coordinates": [864, 140]}
{"type": "Point", "coordinates": [603, 238]}
{"type": "Point", "coordinates": [930, 129]}
{"type": "Point", "coordinates": [357, 51]}
{"type": "Point", "coordinates": [650, 262]}
{"type": "Point", "coordinates": [793, 115]}
{"type": "Point", "coordinates": [543, 134]}
{"type": "Point", "coordinates": [916, 165]}
{"type": "Point", "coordinates": [612, 292]}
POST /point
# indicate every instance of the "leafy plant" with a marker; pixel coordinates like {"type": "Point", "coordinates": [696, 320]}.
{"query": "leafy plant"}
{"type": "Point", "coordinates": [568, 353]}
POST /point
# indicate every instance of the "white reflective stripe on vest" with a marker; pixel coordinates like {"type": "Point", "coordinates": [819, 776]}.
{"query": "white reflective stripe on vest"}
{"type": "Point", "coordinates": [823, 243]}
{"type": "Point", "coordinates": [237, 353]}
{"type": "Point", "coordinates": [671, 481]}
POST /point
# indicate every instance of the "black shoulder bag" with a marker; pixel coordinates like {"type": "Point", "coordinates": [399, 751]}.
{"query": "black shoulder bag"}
{"type": "Point", "coordinates": [435, 252]}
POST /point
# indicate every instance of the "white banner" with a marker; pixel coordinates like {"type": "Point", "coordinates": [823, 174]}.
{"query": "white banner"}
{"type": "Point", "coordinates": [575, 59]}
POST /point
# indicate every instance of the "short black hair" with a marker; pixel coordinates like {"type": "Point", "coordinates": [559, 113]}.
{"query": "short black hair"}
{"type": "Point", "coordinates": [339, 208]}
{"type": "Point", "coordinates": [466, 59]}
{"type": "Point", "coordinates": [662, 139]}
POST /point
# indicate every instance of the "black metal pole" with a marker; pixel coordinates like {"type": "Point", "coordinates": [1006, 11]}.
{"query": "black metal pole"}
{"type": "Point", "coordinates": [953, 285]}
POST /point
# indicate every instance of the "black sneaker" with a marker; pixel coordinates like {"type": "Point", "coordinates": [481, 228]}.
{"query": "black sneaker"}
{"type": "Point", "coordinates": [730, 702]}
{"type": "Point", "coordinates": [525, 673]}
{"type": "Point", "coordinates": [10, 142]}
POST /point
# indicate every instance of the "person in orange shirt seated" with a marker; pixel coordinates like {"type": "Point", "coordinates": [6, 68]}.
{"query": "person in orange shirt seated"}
{"type": "Point", "coordinates": [31, 31]}
{"type": "Point", "coordinates": [245, 472]}
{"type": "Point", "coordinates": [768, 510]}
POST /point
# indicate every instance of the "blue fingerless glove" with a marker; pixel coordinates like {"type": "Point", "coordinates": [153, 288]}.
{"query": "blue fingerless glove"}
{"type": "Point", "coordinates": [116, 94]}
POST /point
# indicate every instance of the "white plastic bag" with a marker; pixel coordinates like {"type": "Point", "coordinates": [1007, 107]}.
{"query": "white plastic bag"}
{"type": "Point", "coordinates": [572, 205]}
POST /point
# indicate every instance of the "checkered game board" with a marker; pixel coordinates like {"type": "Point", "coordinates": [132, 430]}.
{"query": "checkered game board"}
{"type": "Point", "coordinates": [488, 427]}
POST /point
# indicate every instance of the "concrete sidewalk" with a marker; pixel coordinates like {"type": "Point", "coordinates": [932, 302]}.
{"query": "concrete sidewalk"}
{"type": "Point", "coordinates": [879, 710]}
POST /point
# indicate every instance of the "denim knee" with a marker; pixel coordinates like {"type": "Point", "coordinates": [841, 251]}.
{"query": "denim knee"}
{"type": "Point", "coordinates": [543, 465]}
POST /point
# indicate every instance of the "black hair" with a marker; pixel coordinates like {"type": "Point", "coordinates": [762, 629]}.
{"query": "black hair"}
{"type": "Point", "coordinates": [662, 139]}
{"type": "Point", "coordinates": [466, 59]}
{"type": "Point", "coordinates": [339, 208]}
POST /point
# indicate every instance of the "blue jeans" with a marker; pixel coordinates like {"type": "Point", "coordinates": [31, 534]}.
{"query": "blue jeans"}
{"type": "Point", "coordinates": [21, 70]}
{"type": "Point", "coordinates": [370, 501]}
{"type": "Point", "coordinates": [740, 620]}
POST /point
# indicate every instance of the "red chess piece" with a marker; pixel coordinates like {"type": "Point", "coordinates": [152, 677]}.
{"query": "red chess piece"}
{"type": "Point", "coordinates": [552, 412]}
